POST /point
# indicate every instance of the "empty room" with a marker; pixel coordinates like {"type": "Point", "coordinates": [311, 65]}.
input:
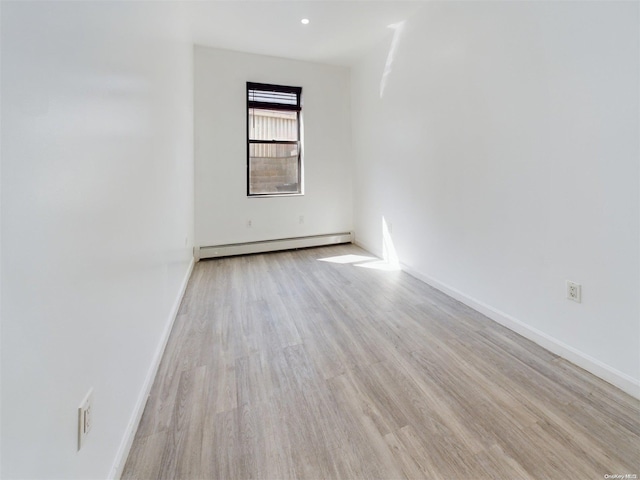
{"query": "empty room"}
{"type": "Point", "coordinates": [320, 240]}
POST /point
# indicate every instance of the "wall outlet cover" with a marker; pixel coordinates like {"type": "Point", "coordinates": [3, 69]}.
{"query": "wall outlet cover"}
{"type": "Point", "coordinates": [574, 291]}
{"type": "Point", "coordinates": [85, 418]}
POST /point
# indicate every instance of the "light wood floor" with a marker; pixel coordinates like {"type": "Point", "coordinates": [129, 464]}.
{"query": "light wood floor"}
{"type": "Point", "coordinates": [283, 366]}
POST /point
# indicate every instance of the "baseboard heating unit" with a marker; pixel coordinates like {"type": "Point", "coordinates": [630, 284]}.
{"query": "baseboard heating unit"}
{"type": "Point", "coordinates": [271, 245]}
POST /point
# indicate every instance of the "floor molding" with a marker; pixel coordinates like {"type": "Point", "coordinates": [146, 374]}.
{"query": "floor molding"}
{"type": "Point", "coordinates": [132, 427]}
{"type": "Point", "coordinates": [621, 380]}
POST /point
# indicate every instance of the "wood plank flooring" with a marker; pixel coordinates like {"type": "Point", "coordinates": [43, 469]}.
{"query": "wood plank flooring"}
{"type": "Point", "coordinates": [281, 366]}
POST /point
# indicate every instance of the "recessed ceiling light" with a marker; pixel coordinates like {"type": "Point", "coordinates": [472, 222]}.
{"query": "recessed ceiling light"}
{"type": "Point", "coordinates": [304, 21]}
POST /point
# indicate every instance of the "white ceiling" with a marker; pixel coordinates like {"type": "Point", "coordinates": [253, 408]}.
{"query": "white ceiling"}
{"type": "Point", "coordinates": [338, 32]}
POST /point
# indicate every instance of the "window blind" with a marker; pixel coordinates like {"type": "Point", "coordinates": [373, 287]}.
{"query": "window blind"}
{"type": "Point", "coordinates": [260, 95]}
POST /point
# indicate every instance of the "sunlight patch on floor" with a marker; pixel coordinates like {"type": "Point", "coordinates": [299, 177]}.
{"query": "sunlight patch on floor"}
{"type": "Point", "coordinates": [380, 265]}
{"type": "Point", "coordinates": [388, 263]}
{"type": "Point", "coordinates": [347, 259]}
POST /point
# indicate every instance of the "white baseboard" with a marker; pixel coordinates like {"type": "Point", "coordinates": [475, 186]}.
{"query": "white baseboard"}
{"type": "Point", "coordinates": [592, 365]}
{"type": "Point", "coordinates": [271, 245]}
{"type": "Point", "coordinates": [132, 427]}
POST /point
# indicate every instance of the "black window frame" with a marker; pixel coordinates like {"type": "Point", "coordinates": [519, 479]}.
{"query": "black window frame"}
{"type": "Point", "coordinates": [297, 107]}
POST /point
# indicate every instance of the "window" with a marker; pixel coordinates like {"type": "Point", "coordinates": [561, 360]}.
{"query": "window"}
{"type": "Point", "coordinates": [274, 149]}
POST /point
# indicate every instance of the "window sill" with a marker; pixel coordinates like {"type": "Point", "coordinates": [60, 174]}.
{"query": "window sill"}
{"type": "Point", "coordinates": [275, 195]}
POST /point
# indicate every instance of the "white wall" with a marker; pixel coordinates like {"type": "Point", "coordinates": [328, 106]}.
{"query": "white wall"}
{"type": "Point", "coordinates": [97, 202]}
{"type": "Point", "coordinates": [222, 207]}
{"type": "Point", "coordinates": [504, 153]}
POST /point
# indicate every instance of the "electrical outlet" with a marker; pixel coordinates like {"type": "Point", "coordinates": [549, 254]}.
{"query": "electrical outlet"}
{"type": "Point", "coordinates": [574, 291]}
{"type": "Point", "coordinates": [301, 219]}
{"type": "Point", "coordinates": [85, 418]}
{"type": "Point", "coordinates": [249, 224]}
